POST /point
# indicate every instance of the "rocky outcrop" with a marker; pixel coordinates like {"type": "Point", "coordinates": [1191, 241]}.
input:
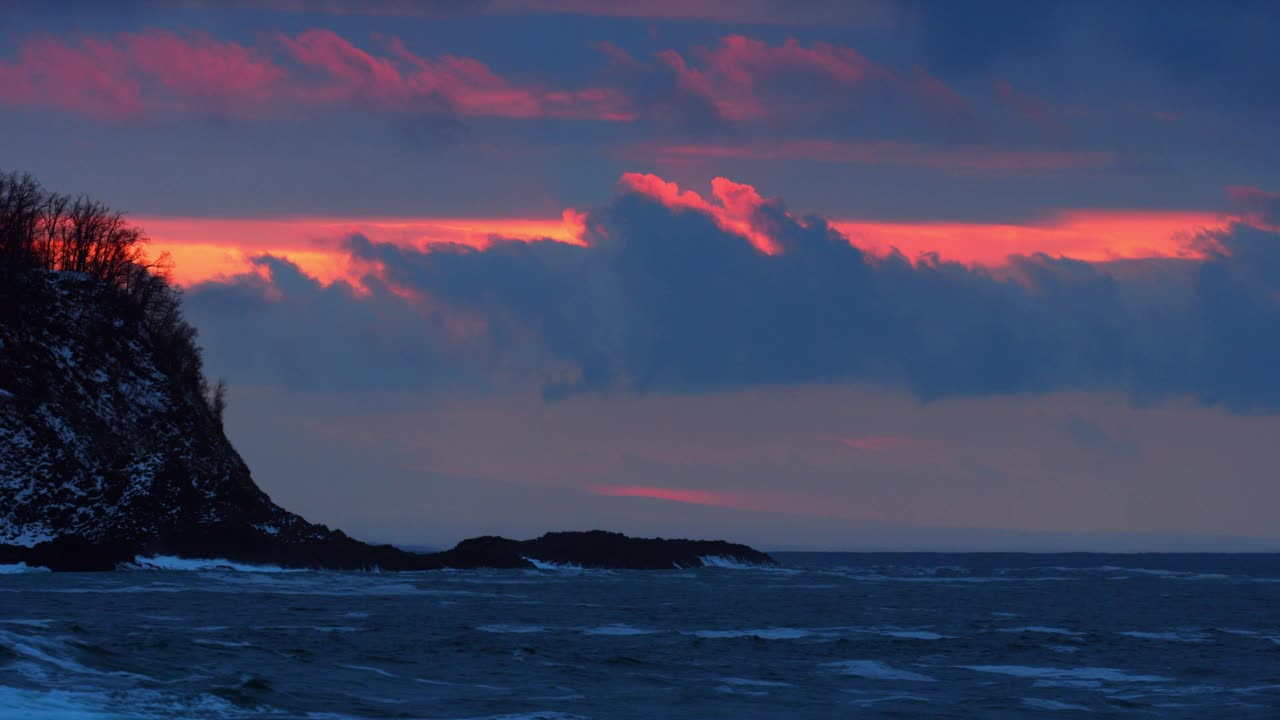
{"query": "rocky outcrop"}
{"type": "Point", "coordinates": [108, 453]}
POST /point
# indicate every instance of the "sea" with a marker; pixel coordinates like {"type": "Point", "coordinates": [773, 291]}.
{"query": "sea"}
{"type": "Point", "coordinates": [823, 635]}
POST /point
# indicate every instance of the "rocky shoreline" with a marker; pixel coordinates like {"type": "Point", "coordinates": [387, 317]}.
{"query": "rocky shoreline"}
{"type": "Point", "coordinates": [337, 551]}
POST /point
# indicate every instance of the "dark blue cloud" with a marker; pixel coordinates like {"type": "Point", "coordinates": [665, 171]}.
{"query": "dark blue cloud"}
{"type": "Point", "coordinates": [664, 300]}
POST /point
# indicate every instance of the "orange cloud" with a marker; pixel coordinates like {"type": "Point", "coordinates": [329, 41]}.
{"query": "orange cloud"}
{"type": "Point", "coordinates": [1093, 235]}
{"type": "Point", "coordinates": [206, 248]}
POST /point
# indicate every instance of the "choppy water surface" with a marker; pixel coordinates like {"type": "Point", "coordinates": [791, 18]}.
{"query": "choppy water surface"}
{"type": "Point", "coordinates": [826, 635]}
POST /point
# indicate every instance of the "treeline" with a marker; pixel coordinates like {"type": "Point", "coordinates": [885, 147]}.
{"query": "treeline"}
{"type": "Point", "coordinates": [43, 230]}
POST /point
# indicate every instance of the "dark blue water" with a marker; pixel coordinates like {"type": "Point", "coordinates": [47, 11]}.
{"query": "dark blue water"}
{"type": "Point", "coordinates": [825, 636]}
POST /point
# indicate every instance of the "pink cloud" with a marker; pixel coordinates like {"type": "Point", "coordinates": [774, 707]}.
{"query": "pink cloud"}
{"type": "Point", "coordinates": [128, 75]}
{"type": "Point", "coordinates": [91, 78]}
{"type": "Point", "coordinates": [745, 79]}
{"type": "Point", "coordinates": [763, 12]}
{"type": "Point", "coordinates": [734, 210]}
{"type": "Point", "coordinates": [734, 499]}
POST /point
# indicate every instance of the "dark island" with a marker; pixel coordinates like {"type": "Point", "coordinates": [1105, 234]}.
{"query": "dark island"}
{"type": "Point", "coordinates": [111, 440]}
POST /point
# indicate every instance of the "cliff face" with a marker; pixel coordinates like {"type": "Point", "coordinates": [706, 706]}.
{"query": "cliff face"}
{"type": "Point", "coordinates": [100, 443]}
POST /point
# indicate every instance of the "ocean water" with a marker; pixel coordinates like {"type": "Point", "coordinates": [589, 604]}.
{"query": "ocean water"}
{"type": "Point", "coordinates": [823, 636]}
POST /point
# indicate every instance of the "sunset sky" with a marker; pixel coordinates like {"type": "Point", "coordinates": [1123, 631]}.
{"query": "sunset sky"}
{"type": "Point", "coordinates": [805, 274]}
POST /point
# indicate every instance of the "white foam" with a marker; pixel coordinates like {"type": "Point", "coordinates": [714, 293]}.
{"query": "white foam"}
{"type": "Point", "coordinates": [370, 668]}
{"type": "Point", "coordinates": [1085, 673]}
{"type": "Point", "coordinates": [753, 683]}
{"type": "Point", "coordinates": [875, 670]}
{"type": "Point", "coordinates": [171, 562]}
{"type": "Point", "coordinates": [21, 569]}
{"type": "Point", "coordinates": [618, 629]}
{"type": "Point", "coordinates": [519, 629]}
{"type": "Point", "coordinates": [914, 634]}
{"type": "Point", "coordinates": [535, 715]}
{"type": "Point", "coordinates": [1043, 630]}
{"type": "Point", "coordinates": [558, 567]}
{"type": "Point", "coordinates": [1193, 637]}
{"type": "Point", "coordinates": [890, 698]}
{"type": "Point", "coordinates": [726, 563]}
{"type": "Point", "coordinates": [1043, 704]}
{"type": "Point", "coordinates": [221, 643]}
{"type": "Point", "coordinates": [22, 704]}
{"type": "Point", "coordinates": [762, 633]}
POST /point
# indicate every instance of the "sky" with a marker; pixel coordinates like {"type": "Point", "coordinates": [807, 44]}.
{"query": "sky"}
{"type": "Point", "coordinates": [812, 274]}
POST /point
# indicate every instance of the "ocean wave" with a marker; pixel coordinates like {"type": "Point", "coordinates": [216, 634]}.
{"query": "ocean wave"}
{"type": "Point", "coordinates": [1083, 673]}
{"type": "Point", "coordinates": [557, 567]}
{"type": "Point", "coordinates": [21, 569]}
{"type": "Point", "coordinates": [1042, 630]}
{"type": "Point", "coordinates": [1173, 636]}
{"type": "Point", "coordinates": [1042, 704]}
{"type": "Point", "coordinates": [726, 563]}
{"type": "Point", "coordinates": [762, 633]}
{"type": "Point", "coordinates": [512, 629]}
{"type": "Point", "coordinates": [618, 629]}
{"type": "Point", "coordinates": [171, 562]}
{"type": "Point", "coordinates": [876, 670]}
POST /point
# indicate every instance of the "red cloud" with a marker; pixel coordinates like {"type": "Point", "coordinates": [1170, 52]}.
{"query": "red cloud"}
{"type": "Point", "coordinates": [131, 74]}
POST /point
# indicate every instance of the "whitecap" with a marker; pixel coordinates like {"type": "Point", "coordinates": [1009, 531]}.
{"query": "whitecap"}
{"type": "Point", "coordinates": [172, 562]}
{"type": "Point", "coordinates": [726, 563]}
{"type": "Point", "coordinates": [762, 633]}
{"type": "Point", "coordinates": [557, 567]}
{"type": "Point", "coordinates": [890, 698]}
{"type": "Point", "coordinates": [875, 670]}
{"type": "Point", "coordinates": [519, 629]}
{"type": "Point", "coordinates": [221, 643]}
{"type": "Point", "coordinates": [914, 634]}
{"type": "Point", "coordinates": [618, 629]}
{"type": "Point", "coordinates": [753, 683]}
{"type": "Point", "coordinates": [1085, 673]}
{"type": "Point", "coordinates": [370, 668]}
{"type": "Point", "coordinates": [1042, 704]}
{"type": "Point", "coordinates": [21, 569]}
{"type": "Point", "coordinates": [1193, 637]}
{"type": "Point", "coordinates": [1043, 630]}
